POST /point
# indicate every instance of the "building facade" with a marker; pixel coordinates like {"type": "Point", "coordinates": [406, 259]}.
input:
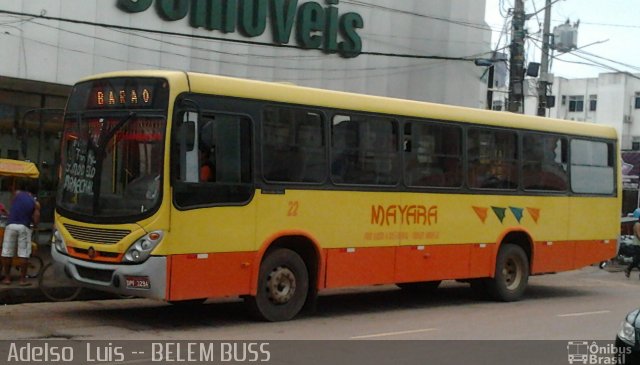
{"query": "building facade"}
{"type": "Point", "coordinates": [611, 98]}
{"type": "Point", "coordinates": [357, 46]}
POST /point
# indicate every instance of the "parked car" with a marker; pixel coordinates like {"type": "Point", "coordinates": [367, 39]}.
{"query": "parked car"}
{"type": "Point", "coordinates": [628, 338]}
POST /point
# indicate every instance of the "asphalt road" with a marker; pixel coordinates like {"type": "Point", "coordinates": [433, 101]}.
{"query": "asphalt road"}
{"type": "Point", "coordinates": [587, 304]}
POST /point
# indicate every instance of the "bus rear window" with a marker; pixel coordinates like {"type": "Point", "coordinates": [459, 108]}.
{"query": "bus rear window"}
{"type": "Point", "coordinates": [592, 170]}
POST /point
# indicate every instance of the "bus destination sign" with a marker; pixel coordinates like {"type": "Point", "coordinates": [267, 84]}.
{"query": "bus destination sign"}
{"type": "Point", "coordinates": [126, 96]}
{"type": "Point", "coordinates": [120, 93]}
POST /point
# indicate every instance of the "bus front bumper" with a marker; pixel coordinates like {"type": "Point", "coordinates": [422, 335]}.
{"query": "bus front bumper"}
{"type": "Point", "coordinates": [147, 279]}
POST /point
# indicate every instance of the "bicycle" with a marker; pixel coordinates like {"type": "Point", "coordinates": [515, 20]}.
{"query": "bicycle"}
{"type": "Point", "coordinates": [56, 285]}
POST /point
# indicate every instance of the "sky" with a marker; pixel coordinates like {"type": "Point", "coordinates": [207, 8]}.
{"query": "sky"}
{"type": "Point", "coordinates": [609, 30]}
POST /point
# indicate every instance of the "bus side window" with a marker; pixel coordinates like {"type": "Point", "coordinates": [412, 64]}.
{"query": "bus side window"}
{"type": "Point", "coordinates": [293, 145]}
{"type": "Point", "coordinates": [222, 144]}
{"type": "Point", "coordinates": [493, 159]}
{"type": "Point", "coordinates": [207, 151]}
{"type": "Point", "coordinates": [544, 162]}
{"type": "Point", "coordinates": [364, 150]}
{"type": "Point", "coordinates": [433, 155]}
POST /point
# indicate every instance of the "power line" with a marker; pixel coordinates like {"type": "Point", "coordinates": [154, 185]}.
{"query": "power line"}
{"type": "Point", "coordinates": [349, 73]}
{"type": "Point", "coordinates": [504, 10]}
{"type": "Point", "coordinates": [214, 51]}
{"type": "Point", "coordinates": [278, 67]}
{"type": "Point", "coordinates": [606, 24]}
{"type": "Point", "coordinates": [589, 62]}
{"type": "Point", "coordinates": [406, 12]}
{"type": "Point", "coordinates": [609, 60]}
{"type": "Point", "coordinates": [605, 66]}
{"type": "Point", "coordinates": [231, 40]}
{"type": "Point", "coordinates": [164, 41]}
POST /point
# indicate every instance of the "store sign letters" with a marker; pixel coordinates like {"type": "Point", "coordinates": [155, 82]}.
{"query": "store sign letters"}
{"type": "Point", "coordinates": [315, 26]}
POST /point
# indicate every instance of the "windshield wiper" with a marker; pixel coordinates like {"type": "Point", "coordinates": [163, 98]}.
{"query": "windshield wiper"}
{"type": "Point", "coordinates": [104, 139]}
{"type": "Point", "coordinates": [100, 148]}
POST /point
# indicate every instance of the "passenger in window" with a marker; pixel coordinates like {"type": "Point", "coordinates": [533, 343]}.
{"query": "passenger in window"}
{"type": "Point", "coordinates": [207, 169]}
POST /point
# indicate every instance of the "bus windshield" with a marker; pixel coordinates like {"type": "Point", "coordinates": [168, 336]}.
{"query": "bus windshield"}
{"type": "Point", "coordinates": [112, 156]}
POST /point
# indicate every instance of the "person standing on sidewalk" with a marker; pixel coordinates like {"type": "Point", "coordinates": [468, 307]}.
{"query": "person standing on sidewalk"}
{"type": "Point", "coordinates": [633, 250]}
{"type": "Point", "coordinates": [24, 213]}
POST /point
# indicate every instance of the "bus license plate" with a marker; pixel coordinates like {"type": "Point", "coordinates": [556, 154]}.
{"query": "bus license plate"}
{"type": "Point", "coordinates": [137, 282]}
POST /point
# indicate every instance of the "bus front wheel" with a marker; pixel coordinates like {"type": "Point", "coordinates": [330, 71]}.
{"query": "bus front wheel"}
{"type": "Point", "coordinates": [511, 275]}
{"type": "Point", "coordinates": [283, 284]}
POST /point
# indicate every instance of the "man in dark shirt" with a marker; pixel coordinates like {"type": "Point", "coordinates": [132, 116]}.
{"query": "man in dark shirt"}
{"type": "Point", "coordinates": [25, 211]}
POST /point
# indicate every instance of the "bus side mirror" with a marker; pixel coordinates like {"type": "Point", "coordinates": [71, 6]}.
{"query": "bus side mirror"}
{"type": "Point", "coordinates": [188, 135]}
{"type": "Point", "coordinates": [188, 147]}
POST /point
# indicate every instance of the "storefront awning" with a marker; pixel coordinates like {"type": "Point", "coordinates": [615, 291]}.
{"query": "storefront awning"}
{"type": "Point", "coordinates": [18, 168]}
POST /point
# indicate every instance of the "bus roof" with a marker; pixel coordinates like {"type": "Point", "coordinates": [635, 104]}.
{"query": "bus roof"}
{"type": "Point", "coordinates": [293, 94]}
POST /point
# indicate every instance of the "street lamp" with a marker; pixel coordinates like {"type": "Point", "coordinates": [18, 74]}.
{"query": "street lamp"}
{"type": "Point", "coordinates": [489, 63]}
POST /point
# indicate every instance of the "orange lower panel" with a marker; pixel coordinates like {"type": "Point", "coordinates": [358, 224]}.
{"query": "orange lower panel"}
{"type": "Point", "coordinates": [209, 275]}
{"type": "Point", "coordinates": [386, 265]}
{"type": "Point", "coordinates": [361, 266]}
{"type": "Point", "coordinates": [591, 252]}
{"type": "Point", "coordinates": [482, 260]}
{"type": "Point", "coordinates": [570, 255]}
{"type": "Point", "coordinates": [553, 257]}
{"type": "Point", "coordinates": [230, 274]}
{"type": "Point", "coordinates": [427, 263]}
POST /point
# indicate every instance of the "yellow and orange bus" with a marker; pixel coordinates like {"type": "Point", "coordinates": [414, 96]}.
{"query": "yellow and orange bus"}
{"type": "Point", "coordinates": [183, 186]}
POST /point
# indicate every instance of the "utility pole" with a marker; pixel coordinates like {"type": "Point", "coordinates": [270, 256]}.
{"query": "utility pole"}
{"type": "Point", "coordinates": [544, 63]}
{"type": "Point", "coordinates": [516, 61]}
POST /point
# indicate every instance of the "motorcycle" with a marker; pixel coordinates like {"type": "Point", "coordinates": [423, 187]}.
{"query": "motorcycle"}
{"type": "Point", "coordinates": [624, 255]}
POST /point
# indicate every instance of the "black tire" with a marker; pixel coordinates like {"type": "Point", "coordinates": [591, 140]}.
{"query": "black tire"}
{"type": "Point", "coordinates": [626, 353]}
{"type": "Point", "coordinates": [56, 285]}
{"type": "Point", "coordinates": [511, 275]}
{"type": "Point", "coordinates": [35, 266]}
{"type": "Point", "coordinates": [422, 287]}
{"type": "Point", "coordinates": [283, 285]}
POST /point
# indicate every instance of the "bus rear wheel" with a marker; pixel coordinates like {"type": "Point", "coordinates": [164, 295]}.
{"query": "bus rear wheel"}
{"type": "Point", "coordinates": [511, 275]}
{"type": "Point", "coordinates": [283, 285]}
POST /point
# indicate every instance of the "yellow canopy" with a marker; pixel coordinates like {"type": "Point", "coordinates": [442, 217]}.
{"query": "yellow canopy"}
{"type": "Point", "coordinates": [18, 168]}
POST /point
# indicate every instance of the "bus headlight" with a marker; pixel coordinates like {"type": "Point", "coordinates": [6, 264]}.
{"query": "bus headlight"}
{"type": "Point", "coordinates": [58, 242]}
{"type": "Point", "coordinates": [140, 250]}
